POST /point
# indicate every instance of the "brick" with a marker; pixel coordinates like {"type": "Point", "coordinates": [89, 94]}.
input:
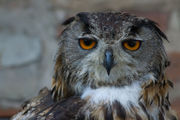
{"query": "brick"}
{"type": "Point", "coordinates": [176, 106]}
{"type": "Point", "coordinates": [6, 113]}
{"type": "Point", "coordinates": [18, 49]}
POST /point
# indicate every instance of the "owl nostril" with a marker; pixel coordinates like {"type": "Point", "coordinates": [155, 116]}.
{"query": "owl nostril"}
{"type": "Point", "coordinates": [108, 60]}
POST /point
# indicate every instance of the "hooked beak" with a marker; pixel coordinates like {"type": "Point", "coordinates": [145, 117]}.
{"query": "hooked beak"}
{"type": "Point", "coordinates": [108, 60]}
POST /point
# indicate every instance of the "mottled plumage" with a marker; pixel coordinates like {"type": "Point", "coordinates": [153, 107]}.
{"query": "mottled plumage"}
{"type": "Point", "coordinates": [113, 64]}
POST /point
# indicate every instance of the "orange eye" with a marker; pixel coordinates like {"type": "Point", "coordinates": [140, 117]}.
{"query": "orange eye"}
{"type": "Point", "coordinates": [87, 43]}
{"type": "Point", "coordinates": [131, 44]}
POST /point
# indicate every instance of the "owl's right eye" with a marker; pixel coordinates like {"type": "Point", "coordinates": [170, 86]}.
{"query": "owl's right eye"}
{"type": "Point", "coordinates": [87, 43]}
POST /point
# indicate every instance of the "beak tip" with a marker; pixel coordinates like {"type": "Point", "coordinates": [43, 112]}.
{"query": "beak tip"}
{"type": "Point", "coordinates": [108, 72]}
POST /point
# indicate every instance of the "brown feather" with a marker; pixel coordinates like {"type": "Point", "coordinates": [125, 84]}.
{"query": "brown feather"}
{"type": "Point", "coordinates": [43, 106]}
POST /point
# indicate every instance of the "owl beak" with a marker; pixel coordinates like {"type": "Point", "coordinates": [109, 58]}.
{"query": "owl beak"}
{"type": "Point", "coordinates": [108, 60]}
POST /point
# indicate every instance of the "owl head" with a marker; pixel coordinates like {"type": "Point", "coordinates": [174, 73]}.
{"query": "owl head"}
{"type": "Point", "coordinates": [107, 49]}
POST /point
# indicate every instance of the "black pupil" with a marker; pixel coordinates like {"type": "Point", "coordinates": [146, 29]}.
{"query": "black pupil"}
{"type": "Point", "coordinates": [87, 42]}
{"type": "Point", "coordinates": [131, 43]}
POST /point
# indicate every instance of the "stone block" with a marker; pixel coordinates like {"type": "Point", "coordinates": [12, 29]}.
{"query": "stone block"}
{"type": "Point", "coordinates": [18, 49]}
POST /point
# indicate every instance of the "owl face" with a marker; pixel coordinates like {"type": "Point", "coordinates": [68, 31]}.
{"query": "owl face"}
{"type": "Point", "coordinates": [110, 49]}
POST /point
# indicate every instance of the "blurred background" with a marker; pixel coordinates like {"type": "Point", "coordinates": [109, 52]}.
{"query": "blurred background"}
{"type": "Point", "coordinates": [28, 44]}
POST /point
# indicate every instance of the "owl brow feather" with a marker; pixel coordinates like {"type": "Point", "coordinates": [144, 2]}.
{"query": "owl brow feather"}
{"type": "Point", "coordinates": [83, 17]}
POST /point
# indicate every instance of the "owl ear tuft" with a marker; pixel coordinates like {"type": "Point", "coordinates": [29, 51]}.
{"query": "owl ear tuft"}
{"type": "Point", "coordinates": [83, 16]}
{"type": "Point", "coordinates": [157, 29]}
{"type": "Point", "coordinates": [68, 21]}
{"type": "Point", "coordinates": [150, 24]}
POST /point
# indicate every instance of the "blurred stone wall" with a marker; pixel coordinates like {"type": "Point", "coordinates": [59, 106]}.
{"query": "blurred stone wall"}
{"type": "Point", "coordinates": [28, 31]}
{"type": "Point", "coordinates": [27, 48]}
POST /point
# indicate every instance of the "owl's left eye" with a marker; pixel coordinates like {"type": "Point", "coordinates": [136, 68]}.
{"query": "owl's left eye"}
{"type": "Point", "coordinates": [87, 43]}
{"type": "Point", "coordinates": [131, 44]}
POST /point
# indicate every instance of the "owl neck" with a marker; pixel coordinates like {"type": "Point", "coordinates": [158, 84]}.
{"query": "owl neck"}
{"type": "Point", "coordinates": [107, 95]}
{"type": "Point", "coordinates": [144, 100]}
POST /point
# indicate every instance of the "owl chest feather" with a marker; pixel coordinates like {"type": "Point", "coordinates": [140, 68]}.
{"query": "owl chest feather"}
{"type": "Point", "coordinates": [133, 102]}
{"type": "Point", "coordinates": [107, 95]}
{"type": "Point", "coordinates": [111, 103]}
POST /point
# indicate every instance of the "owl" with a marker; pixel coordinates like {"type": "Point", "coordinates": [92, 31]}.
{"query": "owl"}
{"type": "Point", "coordinates": [109, 66]}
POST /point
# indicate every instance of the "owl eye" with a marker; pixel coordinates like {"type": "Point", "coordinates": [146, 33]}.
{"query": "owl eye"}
{"type": "Point", "coordinates": [87, 43]}
{"type": "Point", "coordinates": [131, 44]}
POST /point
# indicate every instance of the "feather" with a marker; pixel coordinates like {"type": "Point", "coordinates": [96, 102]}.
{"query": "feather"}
{"type": "Point", "coordinates": [43, 106]}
